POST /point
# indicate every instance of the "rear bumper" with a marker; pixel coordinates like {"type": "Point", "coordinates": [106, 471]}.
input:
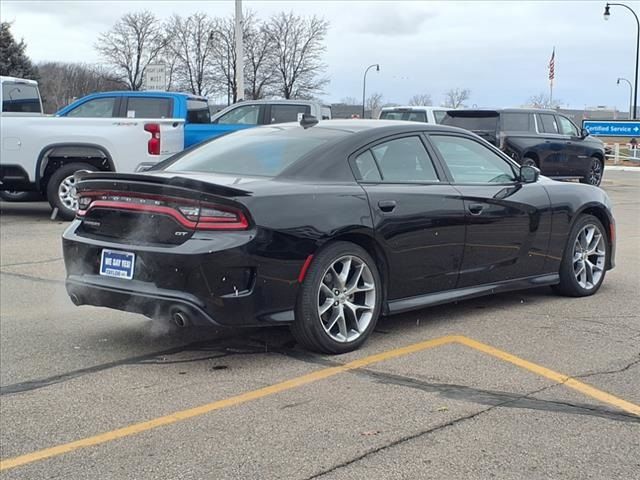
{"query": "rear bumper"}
{"type": "Point", "coordinates": [221, 279]}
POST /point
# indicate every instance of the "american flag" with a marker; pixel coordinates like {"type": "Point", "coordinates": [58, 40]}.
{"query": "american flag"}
{"type": "Point", "coordinates": [552, 65]}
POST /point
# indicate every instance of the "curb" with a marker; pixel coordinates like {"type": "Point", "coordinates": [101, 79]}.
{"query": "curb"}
{"type": "Point", "coordinates": [620, 168]}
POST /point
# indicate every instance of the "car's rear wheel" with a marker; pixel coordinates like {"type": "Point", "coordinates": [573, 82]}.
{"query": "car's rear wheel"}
{"type": "Point", "coordinates": [585, 259]}
{"type": "Point", "coordinates": [61, 189]}
{"type": "Point", "coordinates": [595, 173]}
{"type": "Point", "coordinates": [339, 301]}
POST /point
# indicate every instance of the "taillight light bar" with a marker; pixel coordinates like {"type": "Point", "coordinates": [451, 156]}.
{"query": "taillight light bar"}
{"type": "Point", "coordinates": [190, 214]}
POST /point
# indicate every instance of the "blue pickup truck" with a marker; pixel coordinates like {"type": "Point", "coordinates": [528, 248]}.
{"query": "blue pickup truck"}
{"type": "Point", "coordinates": [199, 125]}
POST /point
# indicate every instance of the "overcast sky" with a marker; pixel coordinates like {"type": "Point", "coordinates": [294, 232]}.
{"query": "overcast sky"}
{"type": "Point", "coordinates": [499, 50]}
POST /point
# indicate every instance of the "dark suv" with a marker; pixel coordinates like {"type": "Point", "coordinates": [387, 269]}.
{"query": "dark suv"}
{"type": "Point", "coordinates": [543, 138]}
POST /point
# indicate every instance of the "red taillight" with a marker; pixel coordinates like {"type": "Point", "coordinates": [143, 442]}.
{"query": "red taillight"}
{"type": "Point", "coordinates": [153, 146]}
{"type": "Point", "coordinates": [190, 214]}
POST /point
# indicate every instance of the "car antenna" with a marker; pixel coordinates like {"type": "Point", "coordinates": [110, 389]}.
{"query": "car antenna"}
{"type": "Point", "coordinates": [307, 121]}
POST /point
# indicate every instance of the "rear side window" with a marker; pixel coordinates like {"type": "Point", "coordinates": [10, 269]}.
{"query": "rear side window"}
{"type": "Point", "coordinates": [367, 168]}
{"type": "Point", "coordinates": [439, 115]}
{"type": "Point", "coordinates": [18, 97]}
{"type": "Point", "coordinates": [548, 123]}
{"type": "Point", "coordinates": [417, 117]}
{"type": "Point", "coordinates": [391, 115]}
{"type": "Point", "coordinates": [404, 160]}
{"type": "Point", "coordinates": [198, 111]}
{"type": "Point", "coordinates": [148, 108]}
{"type": "Point", "coordinates": [517, 122]}
{"type": "Point", "coordinates": [96, 108]}
{"type": "Point", "coordinates": [287, 113]}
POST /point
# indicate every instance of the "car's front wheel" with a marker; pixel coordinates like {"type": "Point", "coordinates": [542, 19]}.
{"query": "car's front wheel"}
{"type": "Point", "coordinates": [339, 301]}
{"type": "Point", "coordinates": [585, 259]}
{"type": "Point", "coordinates": [595, 173]}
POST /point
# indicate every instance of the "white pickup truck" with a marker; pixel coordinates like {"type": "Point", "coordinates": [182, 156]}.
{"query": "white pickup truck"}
{"type": "Point", "coordinates": [41, 153]}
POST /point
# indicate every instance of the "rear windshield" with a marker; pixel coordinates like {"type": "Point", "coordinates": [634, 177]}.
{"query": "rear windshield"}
{"type": "Point", "coordinates": [475, 123]}
{"type": "Point", "coordinates": [198, 111]}
{"type": "Point", "coordinates": [264, 151]}
{"type": "Point", "coordinates": [20, 97]}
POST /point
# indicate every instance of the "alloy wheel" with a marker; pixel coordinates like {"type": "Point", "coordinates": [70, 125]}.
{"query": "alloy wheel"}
{"type": "Point", "coordinates": [595, 173]}
{"type": "Point", "coordinates": [589, 253]}
{"type": "Point", "coordinates": [346, 299]}
{"type": "Point", "coordinates": [67, 193]}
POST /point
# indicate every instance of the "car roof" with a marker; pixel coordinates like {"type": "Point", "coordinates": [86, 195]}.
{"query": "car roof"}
{"type": "Point", "coordinates": [505, 110]}
{"type": "Point", "coordinates": [144, 93]}
{"type": "Point", "coordinates": [17, 80]}
{"type": "Point", "coordinates": [357, 125]}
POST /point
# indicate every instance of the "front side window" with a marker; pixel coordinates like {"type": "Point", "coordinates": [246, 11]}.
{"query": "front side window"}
{"type": "Point", "coordinates": [417, 117]}
{"type": "Point", "coordinates": [148, 108]}
{"type": "Point", "coordinates": [471, 162]}
{"type": "Point", "coordinates": [391, 115]}
{"type": "Point", "coordinates": [567, 127]}
{"type": "Point", "coordinates": [439, 115]}
{"type": "Point", "coordinates": [548, 122]}
{"type": "Point", "coordinates": [246, 115]}
{"type": "Point", "coordinates": [96, 108]}
{"type": "Point", "coordinates": [287, 113]}
{"type": "Point", "coordinates": [404, 160]}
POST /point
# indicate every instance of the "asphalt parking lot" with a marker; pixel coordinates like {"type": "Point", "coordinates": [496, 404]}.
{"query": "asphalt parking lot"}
{"type": "Point", "coordinates": [519, 385]}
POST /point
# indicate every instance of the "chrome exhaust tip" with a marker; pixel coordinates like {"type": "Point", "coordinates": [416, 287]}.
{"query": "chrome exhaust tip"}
{"type": "Point", "coordinates": [180, 318]}
{"type": "Point", "coordinates": [75, 299]}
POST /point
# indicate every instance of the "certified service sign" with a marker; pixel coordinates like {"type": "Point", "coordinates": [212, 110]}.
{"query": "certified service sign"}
{"type": "Point", "coordinates": [612, 128]}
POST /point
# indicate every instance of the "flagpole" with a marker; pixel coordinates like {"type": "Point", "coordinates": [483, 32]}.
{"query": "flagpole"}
{"type": "Point", "coordinates": [551, 93]}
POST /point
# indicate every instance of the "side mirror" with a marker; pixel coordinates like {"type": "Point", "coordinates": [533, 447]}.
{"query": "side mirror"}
{"type": "Point", "coordinates": [584, 133]}
{"type": "Point", "coordinates": [529, 174]}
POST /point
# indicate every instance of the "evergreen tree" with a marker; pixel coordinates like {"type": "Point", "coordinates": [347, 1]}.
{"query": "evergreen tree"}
{"type": "Point", "coordinates": [13, 60]}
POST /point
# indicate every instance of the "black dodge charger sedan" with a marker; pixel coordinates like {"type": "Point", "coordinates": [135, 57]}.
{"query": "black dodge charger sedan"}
{"type": "Point", "coordinates": [326, 226]}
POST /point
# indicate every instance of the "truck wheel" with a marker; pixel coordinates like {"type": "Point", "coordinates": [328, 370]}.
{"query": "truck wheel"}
{"type": "Point", "coordinates": [529, 162]}
{"type": "Point", "coordinates": [13, 196]}
{"type": "Point", "coordinates": [61, 190]}
{"type": "Point", "coordinates": [594, 176]}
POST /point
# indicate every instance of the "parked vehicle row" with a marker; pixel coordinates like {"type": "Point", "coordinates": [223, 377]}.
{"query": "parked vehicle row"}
{"type": "Point", "coordinates": [325, 226]}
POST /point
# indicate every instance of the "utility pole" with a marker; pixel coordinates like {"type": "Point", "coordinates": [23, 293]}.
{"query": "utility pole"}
{"type": "Point", "coordinates": [239, 53]}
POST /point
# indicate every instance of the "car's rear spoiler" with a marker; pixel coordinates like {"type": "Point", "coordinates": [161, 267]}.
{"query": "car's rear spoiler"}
{"type": "Point", "coordinates": [101, 180]}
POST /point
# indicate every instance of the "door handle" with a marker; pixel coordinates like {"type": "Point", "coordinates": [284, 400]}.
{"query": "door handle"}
{"type": "Point", "coordinates": [387, 205]}
{"type": "Point", "coordinates": [476, 208]}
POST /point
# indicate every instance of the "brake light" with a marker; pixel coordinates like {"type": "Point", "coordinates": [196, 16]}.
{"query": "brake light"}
{"type": "Point", "coordinates": [190, 214]}
{"type": "Point", "coordinates": [153, 145]}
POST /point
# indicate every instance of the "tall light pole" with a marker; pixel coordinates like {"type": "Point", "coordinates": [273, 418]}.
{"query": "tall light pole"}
{"type": "Point", "coordinates": [364, 84]}
{"type": "Point", "coordinates": [630, 94]}
{"type": "Point", "coordinates": [635, 88]}
{"type": "Point", "coordinates": [239, 53]}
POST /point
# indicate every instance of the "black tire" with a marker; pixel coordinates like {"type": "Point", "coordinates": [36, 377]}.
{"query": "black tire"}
{"type": "Point", "coordinates": [569, 284]}
{"type": "Point", "coordinates": [595, 173]}
{"type": "Point", "coordinates": [13, 196]}
{"type": "Point", "coordinates": [64, 210]}
{"type": "Point", "coordinates": [528, 161]}
{"type": "Point", "coordinates": [308, 327]}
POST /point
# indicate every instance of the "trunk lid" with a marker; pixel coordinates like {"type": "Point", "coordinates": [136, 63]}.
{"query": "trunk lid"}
{"type": "Point", "coordinates": [153, 209]}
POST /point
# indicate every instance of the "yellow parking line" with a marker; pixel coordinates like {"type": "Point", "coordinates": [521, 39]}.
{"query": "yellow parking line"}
{"type": "Point", "coordinates": [551, 375]}
{"type": "Point", "coordinates": [311, 378]}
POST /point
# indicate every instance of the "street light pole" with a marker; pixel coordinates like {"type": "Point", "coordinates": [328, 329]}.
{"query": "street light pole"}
{"type": "Point", "coordinates": [635, 88]}
{"type": "Point", "coordinates": [364, 84]}
{"type": "Point", "coordinates": [630, 94]}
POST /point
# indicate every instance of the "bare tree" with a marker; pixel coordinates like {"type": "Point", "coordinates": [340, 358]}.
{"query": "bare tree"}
{"type": "Point", "coordinates": [299, 47]}
{"type": "Point", "coordinates": [350, 101]}
{"type": "Point", "coordinates": [421, 99]}
{"type": "Point", "coordinates": [542, 100]}
{"type": "Point", "coordinates": [374, 104]}
{"type": "Point", "coordinates": [455, 97]}
{"type": "Point", "coordinates": [134, 42]}
{"type": "Point", "coordinates": [61, 83]}
{"type": "Point", "coordinates": [260, 61]}
{"type": "Point", "coordinates": [191, 43]}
